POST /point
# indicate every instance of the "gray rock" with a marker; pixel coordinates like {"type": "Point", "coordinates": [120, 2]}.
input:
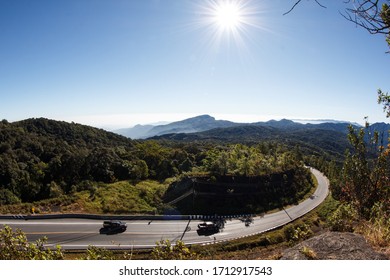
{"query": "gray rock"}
{"type": "Point", "coordinates": [333, 246]}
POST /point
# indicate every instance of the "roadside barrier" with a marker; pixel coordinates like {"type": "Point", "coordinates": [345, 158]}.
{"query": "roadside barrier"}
{"type": "Point", "coordinates": [121, 217]}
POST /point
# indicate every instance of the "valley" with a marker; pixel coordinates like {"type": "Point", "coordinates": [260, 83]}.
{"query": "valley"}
{"type": "Point", "coordinates": [230, 170]}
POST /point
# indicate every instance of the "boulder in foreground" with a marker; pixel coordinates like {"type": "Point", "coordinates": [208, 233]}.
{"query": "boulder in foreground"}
{"type": "Point", "coordinates": [334, 246]}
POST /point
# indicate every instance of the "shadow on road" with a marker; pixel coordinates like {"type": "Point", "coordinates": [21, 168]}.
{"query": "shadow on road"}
{"type": "Point", "coordinates": [110, 231]}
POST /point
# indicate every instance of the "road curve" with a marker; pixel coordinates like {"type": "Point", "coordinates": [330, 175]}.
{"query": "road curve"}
{"type": "Point", "coordinates": [80, 233]}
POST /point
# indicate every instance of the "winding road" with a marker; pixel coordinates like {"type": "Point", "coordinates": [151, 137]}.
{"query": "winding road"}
{"type": "Point", "coordinates": [80, 233]}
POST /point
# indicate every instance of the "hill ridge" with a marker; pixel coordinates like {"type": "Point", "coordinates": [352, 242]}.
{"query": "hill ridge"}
{"type": "Point", "coordinates": [206, 122]}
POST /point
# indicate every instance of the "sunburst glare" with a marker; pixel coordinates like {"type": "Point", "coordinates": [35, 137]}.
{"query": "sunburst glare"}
{"type": "Point", "coordinates": [228, 15]}
{"type": "Point", "coordinates": [228, 22]}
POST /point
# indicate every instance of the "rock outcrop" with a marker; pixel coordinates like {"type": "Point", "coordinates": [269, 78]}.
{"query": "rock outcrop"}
{"type": "Point", "coordinates": [333, 246]}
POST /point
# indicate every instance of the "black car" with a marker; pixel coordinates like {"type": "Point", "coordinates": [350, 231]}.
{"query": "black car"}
{"type": "Point", "coordinates": [207, 228]}
{"type": "Point", "coordinates": [112, 227]}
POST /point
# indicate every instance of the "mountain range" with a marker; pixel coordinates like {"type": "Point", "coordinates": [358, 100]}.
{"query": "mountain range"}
{"type": "Point", "coordinates": [195, 124]}
{"type": "Point", "coordinates": [205, 123]}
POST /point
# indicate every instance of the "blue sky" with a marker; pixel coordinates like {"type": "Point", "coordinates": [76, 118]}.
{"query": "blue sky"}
{"type": "Point", "coordinates": [118, 63]}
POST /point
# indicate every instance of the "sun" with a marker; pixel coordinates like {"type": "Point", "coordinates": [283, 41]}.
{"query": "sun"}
{"type": "Point", "coordinates": [228, 18]}
{"type": "Point", "coordinates": [228, 25]}
{"type": "Point", "coordinates": [228, 15]}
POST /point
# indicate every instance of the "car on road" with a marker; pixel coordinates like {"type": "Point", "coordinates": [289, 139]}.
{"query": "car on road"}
{"type": "Point", "coordinates": [112, 227]}
{"type": "Point", "coordinates": [207, 228]}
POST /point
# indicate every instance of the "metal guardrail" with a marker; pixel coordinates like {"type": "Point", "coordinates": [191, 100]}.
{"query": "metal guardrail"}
{"type": "Point", "coordinates": [121, 217]}
{"type": "Point", "coordinates": [95, 217]}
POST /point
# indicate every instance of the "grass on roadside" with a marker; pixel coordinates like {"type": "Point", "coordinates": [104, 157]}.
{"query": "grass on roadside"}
{"type": "Point", "coordinates": [117, 198]}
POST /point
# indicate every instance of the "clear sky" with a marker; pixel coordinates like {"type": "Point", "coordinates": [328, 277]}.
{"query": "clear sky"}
{"type": "Point", "coordinates": [119, 63]}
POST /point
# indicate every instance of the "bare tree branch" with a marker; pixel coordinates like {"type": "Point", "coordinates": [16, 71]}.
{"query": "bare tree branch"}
{"type": "Point", "coordinates": [319, 4]}
{"type": "Point", "coordinates": [372, 15]}
{"type": "Point", "coordinates": [292, 8]}
{"type": "Point", "coordinates": [367, 14]}
{"type": "Point", "coordinates": [299, 1]}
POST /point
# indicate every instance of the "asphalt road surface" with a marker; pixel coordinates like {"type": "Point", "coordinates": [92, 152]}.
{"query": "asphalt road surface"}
{"type": "Point", "coordinates": [80, 233]}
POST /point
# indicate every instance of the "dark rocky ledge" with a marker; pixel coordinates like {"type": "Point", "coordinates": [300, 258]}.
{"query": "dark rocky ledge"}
{"type": "Point", "coordinates": [333, 246]}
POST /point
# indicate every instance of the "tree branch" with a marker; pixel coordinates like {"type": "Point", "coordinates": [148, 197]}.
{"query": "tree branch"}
{"type": "Point", "coordinates": [319, 4]}
{"type": "Point", "coordinates": [297, 3]}
{"type": "Point", "coordinates": [367, 14]}
{"type": "Point", "coordinates": [292, 8]}
{"type": "Point", "coordinates": [372, 15]}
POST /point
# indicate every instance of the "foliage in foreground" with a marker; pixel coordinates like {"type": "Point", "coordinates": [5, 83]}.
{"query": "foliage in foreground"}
{"type": "Point", "coordinates": [364, 188]}
{"type": "Point", "coordinates": [166, 251]}
{"type": "Point", "coordinates": [14, 246]}
{"type": "Point", "coordinates": [95, 253]}
{"type": "Point", "coordinates": [377, 229]}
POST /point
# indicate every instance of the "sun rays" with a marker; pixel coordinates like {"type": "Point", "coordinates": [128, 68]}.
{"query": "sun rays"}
{"type": "Point", "coordinates": [228, 24]}
{"type": "Point", "coordinates": [228, 15]}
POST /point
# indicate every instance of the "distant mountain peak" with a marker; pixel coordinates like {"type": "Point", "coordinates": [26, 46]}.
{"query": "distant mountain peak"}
{"type": "Point", "coordinates": [202, 117]}
{"type": "Point", "coordinates": [194, 124]}
{"type": "Point", "coordinates": [206, 122]}
{"type": "Point", "coordinates": [282, 121]}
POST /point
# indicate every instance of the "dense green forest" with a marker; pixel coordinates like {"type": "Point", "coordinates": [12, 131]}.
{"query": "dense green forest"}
{"type": "Point", "coordinates": [45, 159]}
{"type": "Point", "coordinates": [41, 158]}
{"type": "Point", "coordinates": [56, 166]}
{"type": "Point", "coordinates": [249, 179]}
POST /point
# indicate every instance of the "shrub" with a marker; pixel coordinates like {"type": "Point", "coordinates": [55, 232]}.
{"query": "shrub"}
{"type": "Point", "coordinates": [7, 197]}
{"type": "Point", "coordinates": [164, 250]}
{"type": "Point", "coordinates": [377, 229]}
{"type": "Point", "coordinates": [308, 253]}
{"type": "Point", "coordinates": [95, 253]}
{"type": "Point", "coordinates": [298, 232]}
{"type": "Point", "coordinates": [15, 246]}
{"type": "Point", "coordinates": [344, 218]}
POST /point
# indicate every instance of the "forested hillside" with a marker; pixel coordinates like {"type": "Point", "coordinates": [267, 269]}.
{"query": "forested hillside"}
{"type": "Point", "coordinates": [247, 179]}
{"type": "Point", "coordinates": [68, 167]}
{"type": "Point", "coordinates": [41, 158]}
{"type": "Point", "coordinates": [320, 142]}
